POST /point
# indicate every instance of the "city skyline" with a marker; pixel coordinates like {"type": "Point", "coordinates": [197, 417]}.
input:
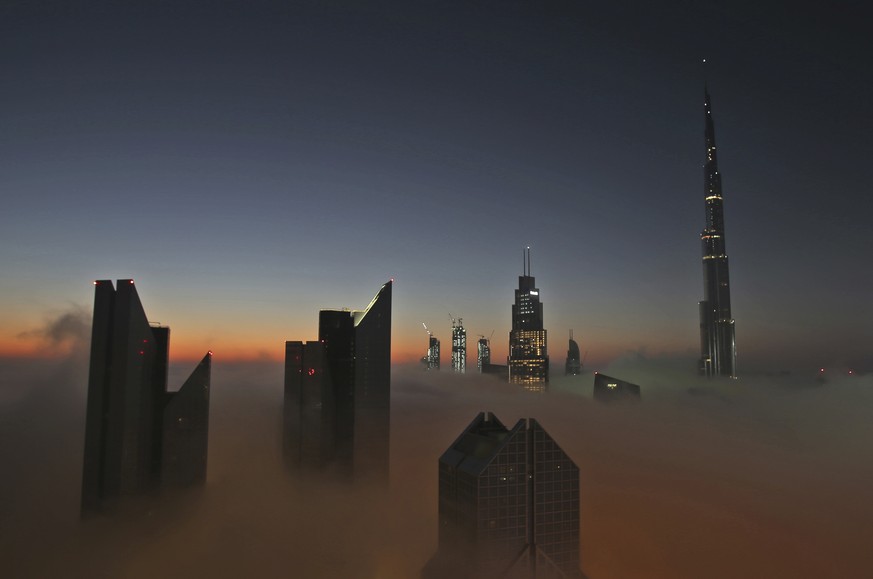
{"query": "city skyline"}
{"type": "Point", "coordinates": [250, 163]}
{"type": "Point", "coordinates": [441, 142]}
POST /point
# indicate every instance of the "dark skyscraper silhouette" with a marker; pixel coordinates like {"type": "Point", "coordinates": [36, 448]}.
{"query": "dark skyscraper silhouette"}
{"type": "Point", "coordinates": [138, 435]}
{"type": "Point", "coordinates": [508, 505]}
{"type": "Point", "coordinates": [573, 366]}
{"type": "Point", "coordinates": [528, 358]}
{"type": "Point", "coordinates": [483, 353]}
{"type": "Point", "coordinates": [609, 389]}
{"type": "Point", "coordinates": [338, 393]}
{"type": "Point", "coordinates": [718, 354]}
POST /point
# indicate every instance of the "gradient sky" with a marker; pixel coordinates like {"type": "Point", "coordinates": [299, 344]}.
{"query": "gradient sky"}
{"type": "Point", "coordinates": [251, 162]}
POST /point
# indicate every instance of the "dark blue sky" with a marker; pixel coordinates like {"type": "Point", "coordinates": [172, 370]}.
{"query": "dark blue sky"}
{"type": "Point", "coordinates": [251, 162]}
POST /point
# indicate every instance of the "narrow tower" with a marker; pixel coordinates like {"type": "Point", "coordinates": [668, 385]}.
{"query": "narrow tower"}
{"type": "Point", "coordinates": [459, 346]}
{"type": "Point", "coordinates": [574, 361]}
{"type": "Point", "coordinates": [718, 354]}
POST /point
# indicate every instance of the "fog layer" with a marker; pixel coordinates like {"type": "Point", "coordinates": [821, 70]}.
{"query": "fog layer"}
{"type": "Point", "coordinates": [759, 477]}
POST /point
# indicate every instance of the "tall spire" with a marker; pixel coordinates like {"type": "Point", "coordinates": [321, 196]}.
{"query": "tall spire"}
{"type": "Point", "coordinates": [718, 355]}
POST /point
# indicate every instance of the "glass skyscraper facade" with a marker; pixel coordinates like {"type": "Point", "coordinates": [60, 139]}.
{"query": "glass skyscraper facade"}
{"type": "Point", "coordinates": [508, 505]}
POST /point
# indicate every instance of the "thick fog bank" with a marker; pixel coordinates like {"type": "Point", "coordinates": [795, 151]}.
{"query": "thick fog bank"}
{"type": "Point", "coordinates": [759, 477]}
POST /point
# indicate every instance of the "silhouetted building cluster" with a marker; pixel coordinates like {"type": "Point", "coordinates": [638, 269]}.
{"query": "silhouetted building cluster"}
{"type": "Point", "coordinates": [528, 359]}
{"type": "Point", "coordinates": [138, 436]}
{"type": "Point", "coordinates": [508, 505]}
{"type": "Point", "coordinates": [718, 350]}
{"type": "Point", "coordinates": [609, 389]}
{"type": "Point", "coordinates": [338, 393]}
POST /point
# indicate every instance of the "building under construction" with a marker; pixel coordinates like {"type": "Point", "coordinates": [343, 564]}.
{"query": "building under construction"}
{"type": "Point", "coordinates": [431, 360]}
{"type": "Point", "coordinates": [459, 346]}
{"type": "Point", "coordinates": [484, 353]}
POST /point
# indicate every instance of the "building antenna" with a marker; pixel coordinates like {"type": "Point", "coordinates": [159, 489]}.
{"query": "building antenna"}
{"type": "Point", "coordinates": [705, 80]}
{"type": "Point", "coordinates": [526, 257]}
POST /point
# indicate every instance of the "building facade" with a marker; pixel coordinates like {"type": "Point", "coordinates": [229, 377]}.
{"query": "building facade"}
{"type": "Point", "coordinates": [508, 505]}
{"type": "Point", "coordinates": [528, 358]}
{"type": "Point", "coordinates": [718, 351]}
{"type": "Point", "coordinates": [338, 393]}
{"type": "Point", "coordinates": [138, 435]}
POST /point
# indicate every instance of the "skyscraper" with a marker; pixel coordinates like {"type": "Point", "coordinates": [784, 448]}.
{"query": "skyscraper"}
{"type": "Point", "coordinates": [432, 359]}
{"type": "Point", "coordinates": [508, 505]}
{"type": "Point", "coordinates": [483, 353]}
{"type": "Point", "coordinates": [528, 359]}
{"type": "Point", "coordinates": [609, 389]}
{"type": "Point", "coordinates": [338, 393]}
{"type": "Point", "coordinates": [718, 354]}
{"type": "Point", "coordinates": [573, 366]}
{"type": "Point", "coordinates": [138, 436]}
{"type": "Point", "coordinates": [459, 346]}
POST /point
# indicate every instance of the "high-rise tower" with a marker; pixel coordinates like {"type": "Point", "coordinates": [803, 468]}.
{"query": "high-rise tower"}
{"type": "Point", "coordinates": [338, 393]}
{"type": "Point", "coordinates": [528, 359]}
{"type": "Point", "coordinates": [459, 346]}
{"type": "Point", "coordinates": [483, 349]}
{"type": "Point", "coordinates": [508, 505]}
{"type": "Point", "coordinates": [573, 366]}
{"type": "Point", "coordinates": [138, 436]}
{"type": "Point", "coordinates": [718, 353]}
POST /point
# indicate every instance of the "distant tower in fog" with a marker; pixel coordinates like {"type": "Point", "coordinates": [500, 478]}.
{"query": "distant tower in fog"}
{"type": "Point", "coordinates": [459, 346]}
{"type": "Point", "coordinates": [338, 393]}
{"type": "Point", "coordinates": [433, 353]}
{"type": "Point", "coordinates": [431, 359]}
{"type": "Point", "coordinates": [718, 354]}
{"type": "Point", "coordinates": [528, 359]}
{"type": "Point", "coordinates": [138, 436]}
{"type": "Point", "coordinates": [574, 361]}
{"type": "Point", "coordinates": [483, 350]}
{"type": "Point", "coordinates": [508, 505]}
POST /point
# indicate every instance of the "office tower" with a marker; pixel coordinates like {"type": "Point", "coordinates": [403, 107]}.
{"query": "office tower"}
{"type": "Point", "coordinates": [609, 389]}
{"type": "Point", "coordinates": [528, 359]}
{"type": "Point", "coordinates": [459, 346]}
{"type": "Point", "coordinates": [138, 436]}
{"type": "Point", "coordinates": [718, 351]}
{"type": "Point", "coordinates": [574, 361]}
{"type": "Point", "coordinates": [432, 359]}
{"type": "Point", "coordinates": [337, 393]}
{"type": "Point", "coordinates": [508, 505]}
{"type": "Point", "coordinates": [484, 353]}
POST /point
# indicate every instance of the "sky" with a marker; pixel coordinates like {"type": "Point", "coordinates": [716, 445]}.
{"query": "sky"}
{"type": "Point", "coordinates": [249, 163]}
